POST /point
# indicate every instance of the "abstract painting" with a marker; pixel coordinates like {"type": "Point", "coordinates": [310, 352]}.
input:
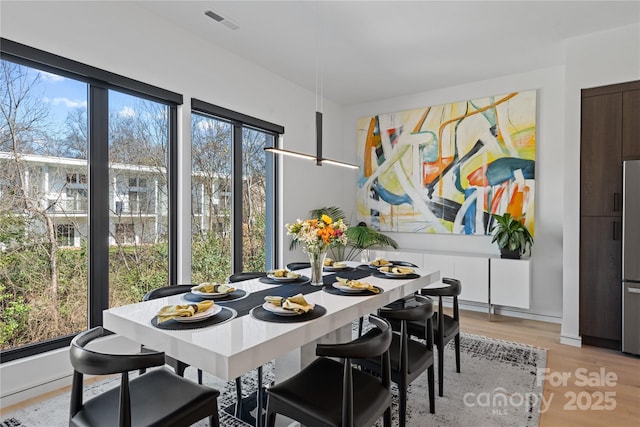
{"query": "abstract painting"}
{"type": "Point", "coordinates": [447, 168]}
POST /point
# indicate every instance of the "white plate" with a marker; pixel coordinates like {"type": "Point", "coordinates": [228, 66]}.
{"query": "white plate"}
{"type": "Point", "coordinates": [276, 309]}
{"type": "Point", "coordinates": [390, 274]}
{"type": "Point", "coordinates": [208, 294]}
{"type": "Point", "coordinates": [345, 288]}
{"type": "Point", "coordinates": [283, 279]}
{"type": "Point", "coordinates": [372, 265]}
{"type": "Point", "coordinates": [212, 311]}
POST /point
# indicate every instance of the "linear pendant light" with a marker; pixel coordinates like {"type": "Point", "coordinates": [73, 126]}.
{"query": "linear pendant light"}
{"type": "Point", "coordinates": [318, 157]}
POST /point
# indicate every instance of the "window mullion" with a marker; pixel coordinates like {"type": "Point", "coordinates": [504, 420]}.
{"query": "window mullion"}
{"type": "Point", "coordinates": [236, 199]}
{"type": "Point", "coordinates": [98, 222]}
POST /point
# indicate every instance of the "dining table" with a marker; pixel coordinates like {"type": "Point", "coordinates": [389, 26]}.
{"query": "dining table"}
{"type": "Point", "coordinates": [243, 335]}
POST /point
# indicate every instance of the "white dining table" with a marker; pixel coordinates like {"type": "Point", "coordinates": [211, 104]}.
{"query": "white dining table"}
{"type": "Point", "coordinates": [230, 349]}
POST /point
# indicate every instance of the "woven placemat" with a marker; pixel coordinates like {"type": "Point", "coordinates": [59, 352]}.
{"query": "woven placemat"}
{"type": "Point", "coordinates": [224, 315]}
{"type": "Point", "coordinates": [405, 277]}
{"type": "Point", "coordinates": [231, 296]}
{"type": "Point", "coordinates": [262, 314]}
{"type": "Point", "coordinates": [365, 293]}
{"type": "Point", "coordinates": [299, 281]}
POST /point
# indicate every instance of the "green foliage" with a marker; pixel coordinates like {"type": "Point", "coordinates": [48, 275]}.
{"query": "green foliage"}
{"type": "Point", "coordinates": [360, 237]}
{"type": "Point", "coordinates": [511, 234]}
{"type": "Point", "coordinates": [13, 317]}
{"type": "Point", "coordinates": [211, 260]}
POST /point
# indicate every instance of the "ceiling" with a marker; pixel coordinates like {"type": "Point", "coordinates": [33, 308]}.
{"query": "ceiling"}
{"type": "Point", "coordinates": [369, 50]}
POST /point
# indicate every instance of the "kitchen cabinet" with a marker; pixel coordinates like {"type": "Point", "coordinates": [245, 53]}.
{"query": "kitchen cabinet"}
{"type": "Point", "coordinates": [631, 125]}
{"type": "Point", "coordinates": [601, 155]}
{"type": "Point", "coordinates": [609, 134]}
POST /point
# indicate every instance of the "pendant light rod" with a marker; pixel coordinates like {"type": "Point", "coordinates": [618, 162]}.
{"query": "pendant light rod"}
{"type": "Point", "coordinates": [318, 138]}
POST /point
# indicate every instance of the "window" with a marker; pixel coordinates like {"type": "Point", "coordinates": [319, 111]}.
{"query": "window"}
{"type": "Point", "coordinates": [233, 193]}
{"type": "Point", "coordinates": [65, 234]}
{"type": "Point", "coordinates": [70, 113]}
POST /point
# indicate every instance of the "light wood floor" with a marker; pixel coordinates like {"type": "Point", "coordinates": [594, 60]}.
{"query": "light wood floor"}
{"type": "Point", "coordinates": [567, 399]}
{"type": "Point", "coordinates": [560, 359]}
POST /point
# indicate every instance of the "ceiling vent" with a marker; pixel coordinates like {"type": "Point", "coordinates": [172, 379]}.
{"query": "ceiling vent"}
{"type": "Point", "coordinates": [222, 19]}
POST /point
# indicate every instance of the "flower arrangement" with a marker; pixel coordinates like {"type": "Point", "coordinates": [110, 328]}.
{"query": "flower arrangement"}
{"type": "Point", "coordinates": [317, 235]}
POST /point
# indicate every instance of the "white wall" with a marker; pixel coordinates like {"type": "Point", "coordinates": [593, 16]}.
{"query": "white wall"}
{"type": "Point", "coordinates": [547, 251]}
{"type": "Point", "coordinates": [595, 60]}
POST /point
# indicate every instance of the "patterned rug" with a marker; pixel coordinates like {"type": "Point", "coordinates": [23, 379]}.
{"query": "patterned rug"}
{"type": "Point", "coordinates": [498, 386]}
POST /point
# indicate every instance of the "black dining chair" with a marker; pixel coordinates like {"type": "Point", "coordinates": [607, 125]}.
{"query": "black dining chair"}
{"type": "Point", "coordinates": [334, 393]}
{"type": "Point", "coordinates": [445, 327]}
{"type": "Point", "coordinates": [245, 275]}
{"type": "Point", "coordinates": [298, 265]}
{"type": "Point", "coordinates": [409, 357]}
{"type": "Point", "coordinates": [157, 398]}
{"type": "Point", "coordinates": [178, 366]}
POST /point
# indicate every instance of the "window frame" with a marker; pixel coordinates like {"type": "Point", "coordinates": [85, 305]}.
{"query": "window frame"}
{"type": "Point", "coordinates": [241, 121]}
{"type": "Point", "coordinates": [99, 82]}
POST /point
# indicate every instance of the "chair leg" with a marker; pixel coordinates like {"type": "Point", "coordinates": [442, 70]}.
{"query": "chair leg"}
{"type": "Point", "coordinates": [259, 393]}
{"type": "Point", "coordinates": [386, 420]}
{"type": "Point", "coordinates": [214, 419]}
{"type": "Point", "coordinates": [360, 324]}
{"type": "Point", "coordinates": [271, 416]}
{"type": "Point", "coordinates": [432, 391]}
{"type": "Point", "coordinates": [238, 413]}
{"type": "Point", "coordinates": [402, 408]}
{"type": "Point", "coordinates": [200, 376]}
{"type": "Point", "coordinates": [440, 370]}
{"type": "Point", "coordinates": [457, 345]}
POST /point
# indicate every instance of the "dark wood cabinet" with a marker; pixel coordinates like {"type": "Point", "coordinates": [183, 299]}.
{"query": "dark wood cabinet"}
{"type": "Point", "coordinates": [631, 125]}
{"type": "Point", "coordinates": [609, 134]}
{"type": "Point", "coordinates": [601, 155]}
{"type": "Point", "coordinates": [600, 280]}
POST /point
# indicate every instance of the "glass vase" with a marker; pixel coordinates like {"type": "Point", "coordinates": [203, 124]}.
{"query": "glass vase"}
{"type": "Point", "coordinates": [316, 259]}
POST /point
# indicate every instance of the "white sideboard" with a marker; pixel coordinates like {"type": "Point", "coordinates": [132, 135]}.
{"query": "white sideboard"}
{"type": "Point", "coordinates": [485, 278]}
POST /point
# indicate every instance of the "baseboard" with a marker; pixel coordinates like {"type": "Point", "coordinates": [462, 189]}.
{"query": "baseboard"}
{"type": "Point", "coordinates": [508, 311]}
{"type": "Point", "coordinates": [571, 340]}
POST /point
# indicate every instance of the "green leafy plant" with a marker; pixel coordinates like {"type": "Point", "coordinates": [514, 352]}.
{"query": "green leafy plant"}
{"type": "Point", "coordinates": [359, 237]}
{"type": "Point", "coordinates": [511, 235]}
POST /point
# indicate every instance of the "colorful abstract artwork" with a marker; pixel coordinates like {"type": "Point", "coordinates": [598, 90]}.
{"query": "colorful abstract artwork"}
{"type": "Point", "coordinates": [447, 168]}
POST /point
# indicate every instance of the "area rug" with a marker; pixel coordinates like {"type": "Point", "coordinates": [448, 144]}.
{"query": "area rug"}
{"type": "Point", "coordinates": [498, 386]}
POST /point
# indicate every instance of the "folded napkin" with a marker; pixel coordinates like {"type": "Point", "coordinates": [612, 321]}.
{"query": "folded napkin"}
{"type": "Point", "coordinates": [358, 285]}
{"type": "Point", "coordinates": [214, 287]}
{"type": "Point", "coordinates": [296, 303]}
{"type": "Point", "coordinates": [283, 273]}
{"type": "Point", "coordinates": [396, 270]}
{"type": "Point", "coordinates": [183, 310]}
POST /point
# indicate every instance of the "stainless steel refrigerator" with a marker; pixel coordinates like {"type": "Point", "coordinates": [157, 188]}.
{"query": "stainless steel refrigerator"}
{"type": "Point", "coordinates": [631, 258]}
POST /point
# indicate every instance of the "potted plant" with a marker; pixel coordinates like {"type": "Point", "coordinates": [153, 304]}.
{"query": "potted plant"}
{"type": "Point", "coordinates": [511, 235]}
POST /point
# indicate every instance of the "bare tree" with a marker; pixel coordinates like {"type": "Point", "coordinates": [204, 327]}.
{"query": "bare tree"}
{"type": "Point", "coordinates": [25, 128]}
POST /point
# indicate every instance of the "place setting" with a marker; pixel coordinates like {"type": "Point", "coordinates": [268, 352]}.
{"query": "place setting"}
{"type": "Point", "coordinates": [192, 316]}
{"type": "Point", "coordinates": [284, 276]}
{"type": "Point", "coordinates": [290, 309]}
{"type": "Point", "coordinates": [396, 272]}
{"type": "Point", "coordinates": [350, 287]}
{"type": "Point", "coordinates": [221, 292]}
{"type": "Point", "coordinates": [335, 266]}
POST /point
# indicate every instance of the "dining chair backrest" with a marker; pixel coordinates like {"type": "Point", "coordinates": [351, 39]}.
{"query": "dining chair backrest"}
{"type": "Point", "coordinates": [166, 291]}
{"type": "Point", "coordinates": [245, 275]}
{"type": "Point", "coordinates": [140, 401]}
{"type": "Point", "coordinates": [298, 265]}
